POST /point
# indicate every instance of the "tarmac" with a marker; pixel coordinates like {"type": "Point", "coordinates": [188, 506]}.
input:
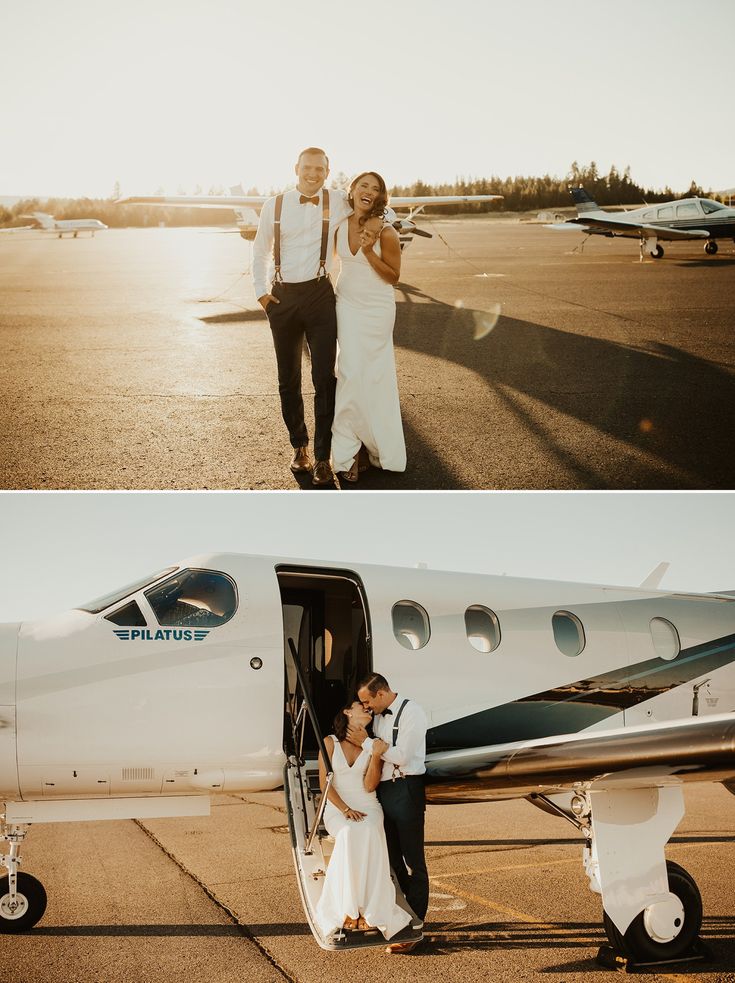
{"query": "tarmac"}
{"type": "Point", "coordinates": [139, 359]}
{"type": "Point", "coordinates": [215, 899]}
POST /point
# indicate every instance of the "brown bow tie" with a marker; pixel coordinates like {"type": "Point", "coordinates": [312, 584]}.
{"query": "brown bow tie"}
{"type": "Point", "coordinates": [303, 200]}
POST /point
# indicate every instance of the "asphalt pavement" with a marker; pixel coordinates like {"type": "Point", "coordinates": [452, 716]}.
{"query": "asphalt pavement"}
{"type": "Point", "coordinates": [139, 359]}
{"type": "Point", "coordinates": [215, 899]}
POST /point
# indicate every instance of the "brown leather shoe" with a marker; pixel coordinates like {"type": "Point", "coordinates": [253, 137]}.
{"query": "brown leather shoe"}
{"type": "Point", "coordinates": [323, 474]}
{"type": "Point", "coordinates": [363, 458]}
{"type": "Point", "coordinates": [401, 948]}
{"type": "Point", "coordinates": [301, 461]}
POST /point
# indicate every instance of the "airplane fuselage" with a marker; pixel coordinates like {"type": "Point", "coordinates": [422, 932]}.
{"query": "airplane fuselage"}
{"type": "Point", "coordinates": [126, 700]}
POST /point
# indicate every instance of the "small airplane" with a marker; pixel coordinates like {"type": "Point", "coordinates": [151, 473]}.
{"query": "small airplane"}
{"type": "Point", "coordinates": [686, 218]}
{"type": "Point", "coordinates": [222, 674]}
{"type": "Point", "coordinates": [73, 226]}
{"type": "Point", "coordinates": [247, 208]}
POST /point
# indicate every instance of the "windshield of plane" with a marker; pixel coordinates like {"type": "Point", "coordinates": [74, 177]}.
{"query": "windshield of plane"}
{"type": "Point", "coordinates": [195, 598]}
{"type": "Point", "coordinates": [710, 206]}
{"type": "Point", "coordinates": [100, 603]}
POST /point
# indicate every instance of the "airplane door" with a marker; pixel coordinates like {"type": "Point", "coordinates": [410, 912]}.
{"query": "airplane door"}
{"type": "Point", "coordinates": [310, 842]}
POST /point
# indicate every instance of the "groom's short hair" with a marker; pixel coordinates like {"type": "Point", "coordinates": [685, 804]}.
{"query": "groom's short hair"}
{"type": "Point", "coordinates": [373, 682]}
{"type": "Point", "coordinates": [313, 150]}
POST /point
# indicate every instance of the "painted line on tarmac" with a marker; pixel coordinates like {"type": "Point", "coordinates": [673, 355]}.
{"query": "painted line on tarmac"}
{"type": "Point", "coordinates": [495, 870]}
{"type": "Point", "coordinates": [521, 916]}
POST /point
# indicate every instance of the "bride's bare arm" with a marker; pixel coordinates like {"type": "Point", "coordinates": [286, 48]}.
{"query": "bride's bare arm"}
{"type": "Point", "coordinates": [375, 768]}
{"type": "Point", "coordinates": [388, 264]}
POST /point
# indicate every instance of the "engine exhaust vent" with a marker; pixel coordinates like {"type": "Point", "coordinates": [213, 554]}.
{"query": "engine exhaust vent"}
{"type": "Point", "coordinates": [137, 774]}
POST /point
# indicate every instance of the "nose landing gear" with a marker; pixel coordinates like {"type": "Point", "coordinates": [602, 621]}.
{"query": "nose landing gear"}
{"type": "Point", "coordinates": [710, 247]}
{"type": "Point", "coordinates": [22, 897]}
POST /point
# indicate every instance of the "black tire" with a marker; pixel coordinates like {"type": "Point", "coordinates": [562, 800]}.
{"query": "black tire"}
{"type": "Point", "coordinates": [710, 247]}
{"type": "Point", "coordinates": [638, 945]}
{"type": "Point", "coordinates": [33, 898]}
{"type": "Point", "coordinates": [658, 252]}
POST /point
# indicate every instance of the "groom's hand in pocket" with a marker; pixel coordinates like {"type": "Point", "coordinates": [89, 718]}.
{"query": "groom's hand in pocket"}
{"type": "Point", "coordinates": [267, 299]}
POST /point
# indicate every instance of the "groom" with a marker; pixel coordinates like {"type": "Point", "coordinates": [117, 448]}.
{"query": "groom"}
{"type": "Point", "coordinates": [401, 723]}
{"type": "Point", "coordinates": [292, 256]}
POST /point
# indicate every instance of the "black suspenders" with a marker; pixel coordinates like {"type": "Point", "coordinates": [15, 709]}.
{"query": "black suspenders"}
{"type": "Point", "coordinates": [397, 721]}
{"type": "Point", "coordinates": [322, 271]}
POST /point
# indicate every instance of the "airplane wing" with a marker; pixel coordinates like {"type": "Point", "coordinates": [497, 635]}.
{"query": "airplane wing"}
{"type": "Point", "coordinates": [20, 228]}
{"type": "Point", "coordinates": [440, 200]}
{"type": "Point", "coordinates": [618, 227]}
{"type": "Point", "coordinates": [692, 749]}
{"type": "Point", "coordinates": [197, 201]}
{"type": "Point", "coordinates": [255, 201]}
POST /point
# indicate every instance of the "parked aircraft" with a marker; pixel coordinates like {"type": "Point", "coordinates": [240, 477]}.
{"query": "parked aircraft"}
{"type": "Point", "coordinates": [247, 208]}
{"type": "Point", "coordinates": [686, 218]}
{"type": "Point", "coordinates": [61, 226]}
{"type": "Point", "coordinates": [595, 703]}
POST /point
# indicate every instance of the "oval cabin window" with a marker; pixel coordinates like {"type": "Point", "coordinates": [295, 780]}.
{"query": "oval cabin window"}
{"type": "Point", "coordinates": [568, 633]}
{"type": "Point", "coordinates": [482, 627]}
{"type": "Point", "coordinates": [665, 638]}
{"type": "Point", "coordinates": [410, 625]}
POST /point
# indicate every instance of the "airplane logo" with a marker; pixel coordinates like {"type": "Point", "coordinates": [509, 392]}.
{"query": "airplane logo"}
{"type": "Point", "coordinates": [162, 634]}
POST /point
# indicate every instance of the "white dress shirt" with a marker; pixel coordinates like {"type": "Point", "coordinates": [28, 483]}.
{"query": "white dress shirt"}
{"type": "Point", "coordinates": [409, 753]}
{"type": "Point", "coordinates": [301, 238]}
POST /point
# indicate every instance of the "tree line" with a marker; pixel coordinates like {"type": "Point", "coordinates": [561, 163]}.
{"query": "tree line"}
{"type": "Point", "coordinates": [520, 194]}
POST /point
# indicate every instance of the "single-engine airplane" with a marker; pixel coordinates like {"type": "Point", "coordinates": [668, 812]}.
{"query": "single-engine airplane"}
{"type": "Point", "coordinates": [247, 208]}
{"type": "Point", "coordinates": [687, 218]}
{"type": "Point", "coordinates": [595, 703]}
{"type": "Point", "coordinates": [62, 226]}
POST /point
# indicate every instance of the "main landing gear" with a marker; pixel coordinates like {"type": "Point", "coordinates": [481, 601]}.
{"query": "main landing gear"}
{"type": "Point", "coordinates": [22, 897]}
{"type": "Point", "coordinates": [651, 246]}
{"type": "Point", "coordinates": [652, 908]}
{"type": "Point", "coordinates": [710, 247]}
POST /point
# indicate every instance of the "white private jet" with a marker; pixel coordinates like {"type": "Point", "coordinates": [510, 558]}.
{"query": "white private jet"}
{"type": "Point", "coordinates": [247, 208]}
{"type": "Point", "coordinates": [222, 674]}
{"type": "Point", "coordinates": [62, 226]}
{"type": "Point", "coordinates": [687, 218]}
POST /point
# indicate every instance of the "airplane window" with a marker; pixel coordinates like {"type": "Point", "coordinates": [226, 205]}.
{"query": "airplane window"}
{"type": "Point", "coordinates": [689, 210]}
{"type": "Point", "coordinates": [710, 206]}
{"type": "Point", "coordinates": [665, 639]}
{"type": "Point", "coordinates": [667, 212]}
{"type": "Point", "coordinates": [483, 628]}
{"type": "Point", "coordinates": [129, 616]}
{"type": "Point", "coordinates": [410, 625]}
{"type": "Point", "coordinates": [201, 598]}
{"type": "Point", "coordinates": [100, 603]}
{"type": "Point", "coordinates": [568, 633]}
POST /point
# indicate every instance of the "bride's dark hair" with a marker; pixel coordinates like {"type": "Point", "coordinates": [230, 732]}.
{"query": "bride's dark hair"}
{"type": "Point", "coordinates": [341, 722]}
{"type": "Point", "coordinates": [380, 203]}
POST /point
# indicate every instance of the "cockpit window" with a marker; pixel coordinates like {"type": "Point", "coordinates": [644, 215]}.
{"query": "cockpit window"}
{"type": "Point", "coordinates": [710, 206]}
{"type": "Point", "coordinates": [199, 598]}
{"type": "Point", "coordinates": [100, 603]}
{"type": "Point", "coordinates": [128, 616]}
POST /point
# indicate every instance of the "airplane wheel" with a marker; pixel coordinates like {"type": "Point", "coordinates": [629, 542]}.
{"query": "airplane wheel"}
{"type": "Point", "coordinates": [30, 904]}
{"type": "Point", "coordinates": [658, 252]}
{"type": "Point", "coordinates": [710, 247]}
{"type": "Point", "coordinates": [639, 944]}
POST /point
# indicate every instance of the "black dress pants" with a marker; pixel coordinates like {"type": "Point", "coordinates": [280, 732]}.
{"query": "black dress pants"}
{"type": "Point", "coordinates": [306, 310]}
{"type": "Point", "coordinates": [404, 804]}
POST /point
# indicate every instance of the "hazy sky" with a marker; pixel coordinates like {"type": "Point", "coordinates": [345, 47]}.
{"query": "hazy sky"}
{"type": "Point", "coordinates": [60, 549]}
{"type": "Point", "coordinates": [226, 91]}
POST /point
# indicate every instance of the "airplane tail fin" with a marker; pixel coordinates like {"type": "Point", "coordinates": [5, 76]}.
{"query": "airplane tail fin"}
{"type": "Point", "coordinates": [583, 201]}
{"type": "Point", "coordinates": [44, 220]}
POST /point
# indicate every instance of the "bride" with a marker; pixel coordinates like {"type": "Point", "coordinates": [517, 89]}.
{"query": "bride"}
{"type": "Point", "coordinates": [367, 417]}
{"type": "Point", "coordinates": [358, 891]}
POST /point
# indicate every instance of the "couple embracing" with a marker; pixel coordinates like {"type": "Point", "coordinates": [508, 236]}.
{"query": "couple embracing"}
{"type": "Point", "coordinates": [357, 415]}
{"type": "Point", "coordinates": [374, 832]}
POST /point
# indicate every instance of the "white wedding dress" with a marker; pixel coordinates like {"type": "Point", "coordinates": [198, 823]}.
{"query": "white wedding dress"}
{"type": "Point", "coordinates": [367, 408]}
{"type": "Point", "coordinates": [358, 880]}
